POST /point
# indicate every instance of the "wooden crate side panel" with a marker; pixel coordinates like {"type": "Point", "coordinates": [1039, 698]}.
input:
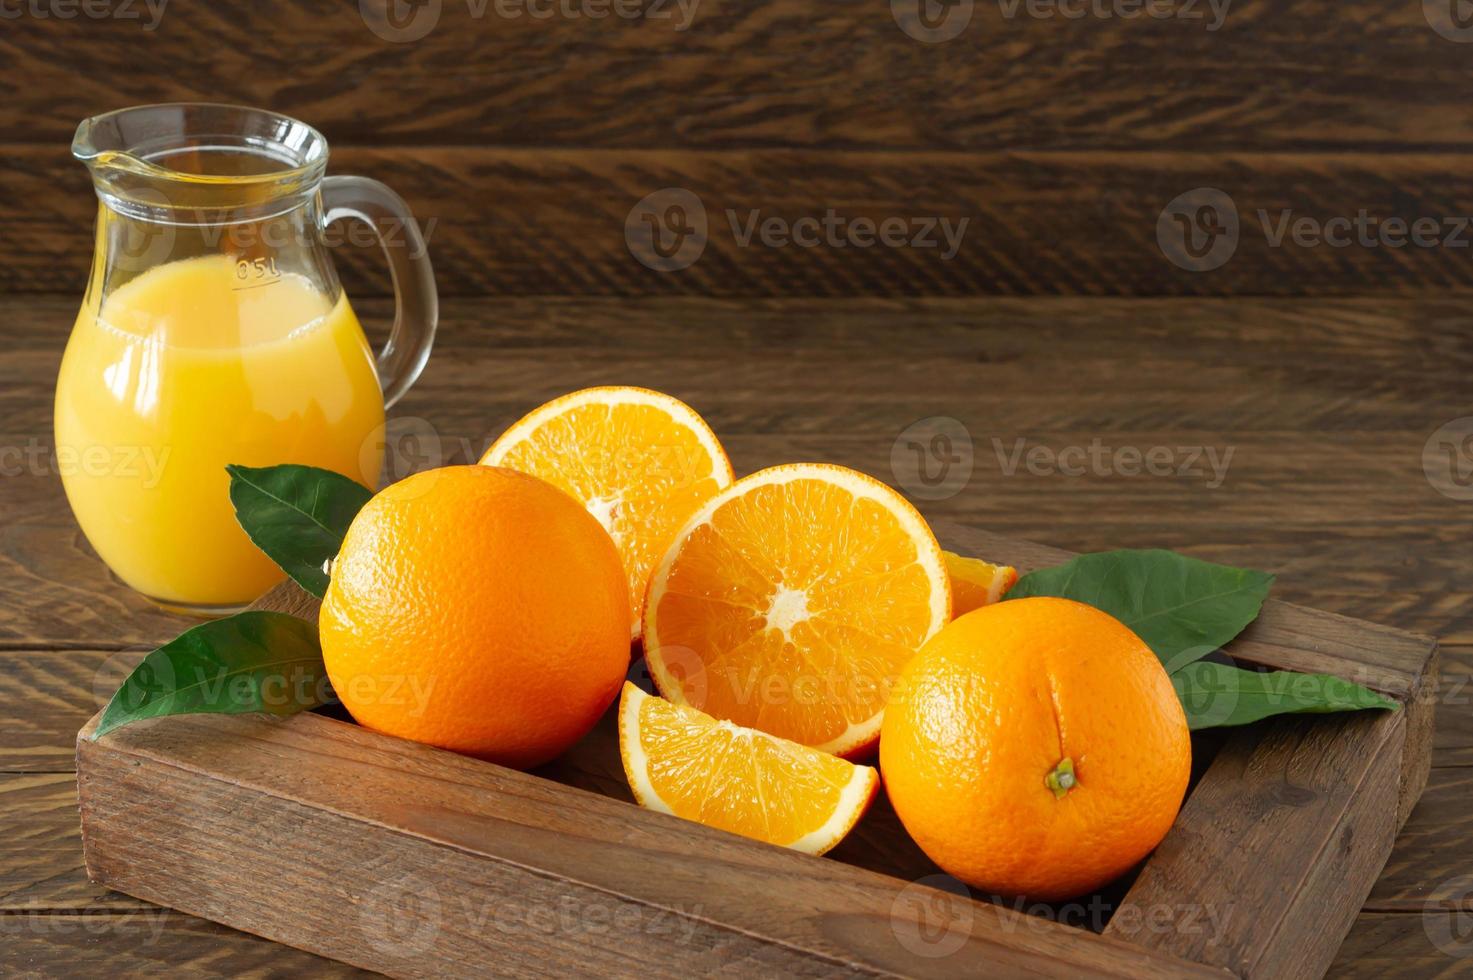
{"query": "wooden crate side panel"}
{"type": "Point", "coordinates": [1276, 849]}
{"type": "Point", "coordinates": [275, 821]}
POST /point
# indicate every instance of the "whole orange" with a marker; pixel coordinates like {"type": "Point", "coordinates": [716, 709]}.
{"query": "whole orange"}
{"type": "Point", "coordinates": [1035, 747]}
{"type": "Point", "coordinates": [480, 610]}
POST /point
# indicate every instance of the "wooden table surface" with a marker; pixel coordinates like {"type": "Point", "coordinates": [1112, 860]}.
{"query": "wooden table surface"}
{"type": "Point", "coordinates": [1316, 414]}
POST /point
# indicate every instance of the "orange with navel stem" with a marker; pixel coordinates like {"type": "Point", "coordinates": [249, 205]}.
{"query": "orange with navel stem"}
{"type": "Point", "coordinates": [1035, 747]}
{"type": "Point", "coordinates": [480, 610]}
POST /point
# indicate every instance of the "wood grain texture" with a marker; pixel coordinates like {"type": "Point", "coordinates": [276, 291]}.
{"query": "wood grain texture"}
{"type": "Point", "coordinates": [775, 73]}
{"type": "Point", "coordinates": [1385, 946]}
{"type": "Point", "coordinates": [51, 694]}
{"type": "Point", "coordinates": [1327, 404]}
{"type": "Point", "coordinates": [41, 863]}
{"type": "Point", "coordinates": [518, 221]}
{"type": "Point", "coordinates": [41, 868]}
{"type": "Point", "coordinates": [1427, 870]}
{"type": "Point", "coordinates": [1358, 761]}
{"type": "Point", "coordinates": [1283, 838]}
{"type": "Point", "coordinates": [424, 845]}
{"type": "Point", "coordinates": [148, 942]}
{"type": "Point", "coordinates": [1325, 407]}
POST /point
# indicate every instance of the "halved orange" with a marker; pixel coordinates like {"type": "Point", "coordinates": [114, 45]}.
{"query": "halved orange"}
{"type": "Point", "coordinates": [976, 583]}
{"type": "Point", "coordinates": [681, 761]}
{"type": "Point", "coordinates": [790, 601]}
{"type": "Point", "coordinates": [642, 462]}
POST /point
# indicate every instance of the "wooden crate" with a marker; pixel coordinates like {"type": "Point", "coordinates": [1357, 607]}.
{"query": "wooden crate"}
{"type": "Point", "coordinates": [417, 862]}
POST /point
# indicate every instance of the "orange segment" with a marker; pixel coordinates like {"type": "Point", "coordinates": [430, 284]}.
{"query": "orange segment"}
{"type": "Point", "coordinates": [681, 761]}
{"type": "Point", "coordinates": [791, 600]}
{"type": "Point", "coordinates": [976, 583]}
{"type": "Point", "coordinates": [638, 460]}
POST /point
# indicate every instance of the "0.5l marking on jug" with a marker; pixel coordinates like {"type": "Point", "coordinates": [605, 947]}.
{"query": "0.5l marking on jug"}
{"type": "Point", "coordinates": [255, 273]}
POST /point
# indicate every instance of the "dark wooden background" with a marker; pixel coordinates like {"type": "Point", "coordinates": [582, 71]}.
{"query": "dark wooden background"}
{"type": "Point", "coordinates": [527, 141]}
{"type": "Point", "coordinates": [1060, 320]}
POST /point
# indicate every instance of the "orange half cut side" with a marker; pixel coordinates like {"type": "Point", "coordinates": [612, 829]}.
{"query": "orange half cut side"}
{"type": "Point", "coordinates": [791, 600]}
{"type": "Point", "coordinates": [640, 461]}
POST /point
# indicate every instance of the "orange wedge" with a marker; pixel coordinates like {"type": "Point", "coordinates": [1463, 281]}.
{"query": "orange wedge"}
{"type": "Point", "coordinates": [640, 461]}
{"type": "Point", "coordinates": [976, 583]}
{"type": "Point", "coordinates": [790, 601]}
{"type": "Point", "coordinates": [684, 762]}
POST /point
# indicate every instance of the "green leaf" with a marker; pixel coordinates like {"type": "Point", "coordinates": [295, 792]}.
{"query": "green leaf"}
{"type": "Point", "coordinates": [1184, 608]}
{"type": "Point", "coordinates": [1215, 695]}
{"type": "Point", "coordinates": [253, 661]}
{"type": "Point", "coordinates": [297, 515]}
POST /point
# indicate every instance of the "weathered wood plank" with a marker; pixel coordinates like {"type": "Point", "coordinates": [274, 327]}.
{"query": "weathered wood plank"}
{"type": "Point", "coordinates": [1427, 868]}
{"type": "Point", "coordinates": [1391, 946]}
{"type": "Point", "coordinates": [1283, 838]}
{"type": "Point", "coordinates": [41, 863]}
{"type": "Point", "coordinates": [49, 695]}
{"type": "Point", "coordinates": [515, 221]}
{"type": "Point", "coordinates": [415, 847]}
{"type": "Point", "coordinates": [774, 73]}
{"type": "Point", "coordinates": [1325, 407]}
{"type": "Point", "coordinates": [1452, 740]}
{"type": "Point", "coordinates": [41, 868]}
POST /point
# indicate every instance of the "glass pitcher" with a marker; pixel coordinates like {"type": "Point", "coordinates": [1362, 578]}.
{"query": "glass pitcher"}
{"type": "Point", "coordinates": [213, 331]}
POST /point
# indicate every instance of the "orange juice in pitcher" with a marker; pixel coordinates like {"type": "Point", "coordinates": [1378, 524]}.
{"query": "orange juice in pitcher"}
{"type": "Point", "coordinates": [214, 331]}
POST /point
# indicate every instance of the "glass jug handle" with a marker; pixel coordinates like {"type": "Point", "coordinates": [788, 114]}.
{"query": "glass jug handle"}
{"type": "Point", "coordinates": [417, 306]}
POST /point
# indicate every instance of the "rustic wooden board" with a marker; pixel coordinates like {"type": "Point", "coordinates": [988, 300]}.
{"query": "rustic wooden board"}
{"type": "Point", "coordinates": [1325, 405]}
{"type": "Point", "coordinates": [1293, 820]}
{"type": "Point", "coordinates": [776, 72]}
{"type": "Point", "coordinates": [403, 850]}
{"type": "Point", "coordinates": [520, 221]}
